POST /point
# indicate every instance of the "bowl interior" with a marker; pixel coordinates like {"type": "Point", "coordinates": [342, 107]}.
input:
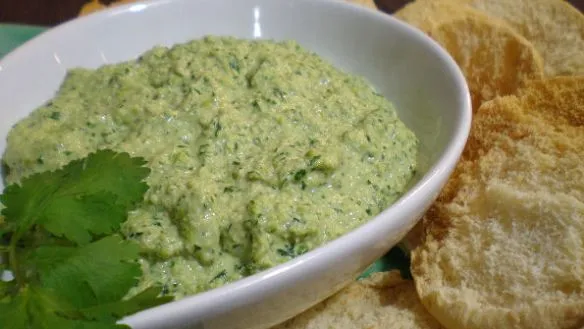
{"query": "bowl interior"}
{"type": "Point", "coordinates": [405, 66]}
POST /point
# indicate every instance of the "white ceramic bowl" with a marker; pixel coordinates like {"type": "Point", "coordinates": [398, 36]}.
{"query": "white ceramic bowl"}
{"type": "Point", "coordinates": [408, 68]}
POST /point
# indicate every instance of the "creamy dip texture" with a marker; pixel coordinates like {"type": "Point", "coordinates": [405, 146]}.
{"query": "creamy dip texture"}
{"type": "Point", "coordinates": [259, 151]}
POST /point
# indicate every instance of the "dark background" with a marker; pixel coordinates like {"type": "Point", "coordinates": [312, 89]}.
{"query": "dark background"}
{"type": "Point", "coordinates": [53, 12]}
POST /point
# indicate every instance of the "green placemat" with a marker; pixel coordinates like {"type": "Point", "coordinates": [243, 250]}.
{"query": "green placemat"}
{"type": "Point", "coordinates": [395, 259]}
{"type": "Point", "coordinates": [12, 36]}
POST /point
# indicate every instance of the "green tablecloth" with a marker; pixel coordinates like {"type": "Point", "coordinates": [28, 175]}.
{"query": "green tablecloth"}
{"type": "Point", "coordinates": [12, 36]}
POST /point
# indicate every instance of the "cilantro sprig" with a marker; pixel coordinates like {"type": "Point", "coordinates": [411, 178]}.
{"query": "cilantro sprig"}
{"type": "Point", "coordinates": [60, 230]}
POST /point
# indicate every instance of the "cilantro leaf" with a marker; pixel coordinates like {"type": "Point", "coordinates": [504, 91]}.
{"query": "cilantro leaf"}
{"type": "Point", "coordinates": [4, 226]}
{"type": "Point", "coordinates": [39, 309]}
{"type": "Point", "coordinates": [88, 196]}
{"type": "Point", "coordinates": [79, 287]}
{"type": "Point", "coordinates": [146, 299]}
{"type": "Point", "coordinates": [72, 268]}
{"type": "Point", "coordinates": [94, 213]}
{"type": "Point", "coordinates": [13, 313]}
{"type": "Point", "coordinates": [4, 287]}
{"type": "Point", "coordinates": [100, 272]}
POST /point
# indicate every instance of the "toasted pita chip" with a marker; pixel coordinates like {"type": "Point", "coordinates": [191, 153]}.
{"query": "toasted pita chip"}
{"type": "Point", "coordinates": [90, 7]}
{"type": "Point", "coordinates": [96, 5]}
{"type": "Point", "coordinates": [504, 249]}
{"type": "Point", "coordinates": [555, 28]}
{"type": "Point", "coordinates": [494, 59]}
{"type": "Point", "coordinates": [430, 14]}
{"type": "Point", "coordinates": [383, 301]}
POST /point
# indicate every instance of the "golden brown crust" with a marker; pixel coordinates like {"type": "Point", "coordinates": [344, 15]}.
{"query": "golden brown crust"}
{"type": "Point", "coordinates": [555, 28]}
{"type": "Point", "coordinates": [561, 100]}
{"type": "Point", "coordinates": [428, 15]}
{"type": "Point", "coordinates": [494, 58]}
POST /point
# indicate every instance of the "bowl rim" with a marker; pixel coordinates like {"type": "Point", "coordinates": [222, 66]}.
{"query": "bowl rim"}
{"type": "Point", "coordinates": [431, 181]}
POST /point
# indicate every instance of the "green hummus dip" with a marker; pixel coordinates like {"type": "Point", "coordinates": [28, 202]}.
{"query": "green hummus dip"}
{"type": "Point", "coordinates": [260, 151]}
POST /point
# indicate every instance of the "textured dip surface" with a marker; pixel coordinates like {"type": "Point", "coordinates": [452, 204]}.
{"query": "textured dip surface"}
{"type": "Point", "coordinates": [259, 151]}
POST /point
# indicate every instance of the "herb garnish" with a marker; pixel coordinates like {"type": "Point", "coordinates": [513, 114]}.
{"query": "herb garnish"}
{"type": "Point", "coordinates": [71, 266]}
